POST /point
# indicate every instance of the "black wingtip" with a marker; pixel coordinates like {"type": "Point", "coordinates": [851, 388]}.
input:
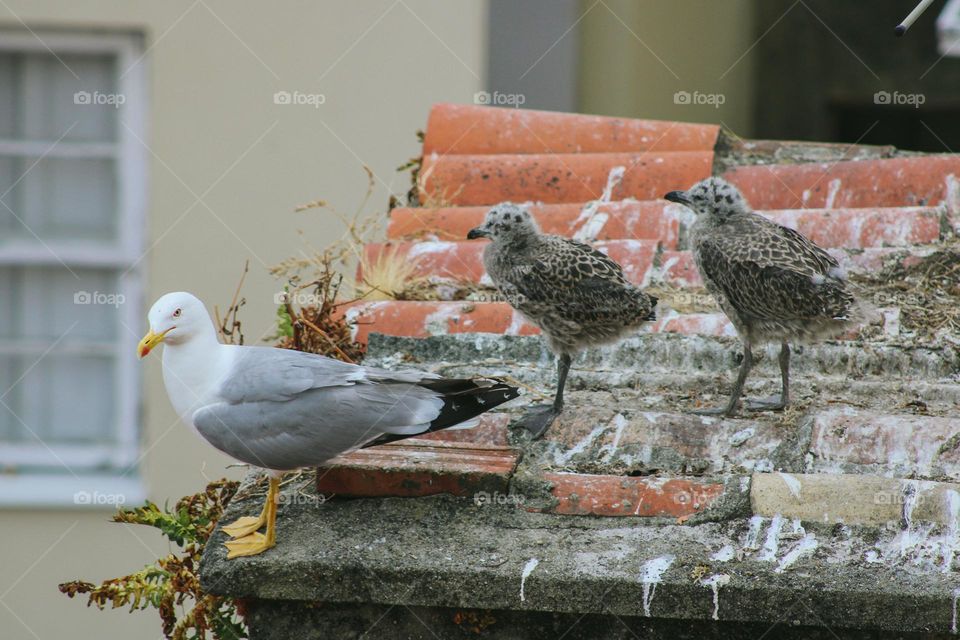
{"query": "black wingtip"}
{"type": "Point", "coordinates": [463, 399]}
{"type": "Point", "coordinates": [466, 399]}
{"type": "Point", "coordinates": [899, 30]}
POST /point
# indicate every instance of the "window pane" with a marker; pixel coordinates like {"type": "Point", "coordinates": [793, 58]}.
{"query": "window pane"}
{"type": "Point", "coordinates": [60, 399]}
{"type": "Point", "coordinates": [40, 99]}
{"type": "Point", "coordinates": [62, 326]}
{"type": "Point", "coordinates": [9, 90]}
{"type": "Point", "coordinates": [59, 198]}
{"type": "Point", "coordinates": [41, 304]}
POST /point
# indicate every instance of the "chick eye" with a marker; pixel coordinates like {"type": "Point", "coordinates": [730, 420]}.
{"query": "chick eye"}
{"type": "Point", "coordinates": [176, 314]}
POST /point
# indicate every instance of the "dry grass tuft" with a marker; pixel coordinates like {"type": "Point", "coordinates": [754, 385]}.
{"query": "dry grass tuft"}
{"type": "Point", "coordinates": [317, 327]}
{"type": "Point", "coordinates": [390, 276]}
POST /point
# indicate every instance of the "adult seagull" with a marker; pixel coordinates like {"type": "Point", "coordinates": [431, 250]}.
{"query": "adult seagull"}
{"type": "Point", "coordinates": [281, 410]}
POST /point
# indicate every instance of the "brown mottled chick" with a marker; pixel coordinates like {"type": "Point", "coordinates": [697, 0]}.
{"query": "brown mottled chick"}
{"type": "Point", "coordinates": [575, 294]}
{"type": "Point", "coordinates": [774, 284]}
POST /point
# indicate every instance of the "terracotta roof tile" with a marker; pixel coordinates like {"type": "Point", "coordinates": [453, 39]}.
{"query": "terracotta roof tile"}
{"type": "Point", "coordinates": [637, 219]}
{"type": "Point", "coordinates": [469, 129]}
{"type": "Point", "coordinates": [556, 178]}
{"type": "Point", "coordinates": [894, 182]}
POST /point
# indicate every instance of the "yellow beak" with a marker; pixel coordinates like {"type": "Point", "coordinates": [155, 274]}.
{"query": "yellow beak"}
{"type": "Point", "coordinates": [149, 341]}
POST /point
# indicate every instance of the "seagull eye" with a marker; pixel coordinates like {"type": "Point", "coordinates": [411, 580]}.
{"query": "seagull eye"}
{"type": "Point", "coordinates": [176, 314]}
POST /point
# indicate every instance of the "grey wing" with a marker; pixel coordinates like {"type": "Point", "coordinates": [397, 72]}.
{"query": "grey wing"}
{"type": "Point", "coordinates": [316, 425]}
{"type": "Point", "coordinates": [269, 373]}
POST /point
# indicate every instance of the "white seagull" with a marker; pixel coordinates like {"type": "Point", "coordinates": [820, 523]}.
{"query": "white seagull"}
{"type": "Point", "coordinates": [282, 410]}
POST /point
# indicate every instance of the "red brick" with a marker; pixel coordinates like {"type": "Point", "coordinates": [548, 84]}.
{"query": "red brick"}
{"type": "Point", "coordinates": [557, 178]}
{"type": "Point", "coordinates": [420, 319]}
{"type": "Point", "coordinates": [468, 129]}
{"type": "Point", "coordinates": [419, 468]}
{"type": "Point", "coordinates": [895, 182]}
{"type": "Point", "coordinates": [604, 495]}
{"type": "Point", "coordinates": [634, 219]}
{"type": "Point", "coordinates": [907, 444]}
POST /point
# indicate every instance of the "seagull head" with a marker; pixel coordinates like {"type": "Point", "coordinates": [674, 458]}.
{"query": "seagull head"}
{"type": "Point", "coordinates": [174, 318]}
{"type": "Point", "coordinates": [713, 196]}
{"type": "Point", "coordinates": [506, 221]}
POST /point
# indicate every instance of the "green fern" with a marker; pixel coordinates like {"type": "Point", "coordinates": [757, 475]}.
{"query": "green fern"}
{"type": "Point", "coordinates": [173, 580]}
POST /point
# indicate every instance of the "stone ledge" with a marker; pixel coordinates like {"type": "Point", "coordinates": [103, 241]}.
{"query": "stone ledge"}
{"type": "Point", "coordinates": [445, 552]}
{"type": "Point", "coordinates": [670, 353]}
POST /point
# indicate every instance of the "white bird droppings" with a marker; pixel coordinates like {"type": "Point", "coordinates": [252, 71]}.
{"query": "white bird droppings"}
{"type": "Point", "coordinates": [792, 484]}
{"type": "Point", "coordinates": [772, 543]}
{"type": "Point", "coordinates": [716, 581]}
{"type": "Point", "coordinates": [725, 554]}
{"type": "Point", "coordinates": [956, 595]}
{"type": "Point", "coordinates": [753, 533]}
{"type": "Point", "coordinates": [527, 570]}
{"type": "Point", "coordinates": [650, 575]}
{"type": "Point", "coordinates": [806, 546]}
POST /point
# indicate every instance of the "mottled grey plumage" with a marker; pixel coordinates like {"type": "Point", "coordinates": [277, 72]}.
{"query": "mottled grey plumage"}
{"type": "Point", "coordinates": [575, 294]}
{"type": "Point", "coordinates": [773, 283]}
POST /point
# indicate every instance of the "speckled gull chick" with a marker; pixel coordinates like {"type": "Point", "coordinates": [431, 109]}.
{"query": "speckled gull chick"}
{"type": "Point", "coordinates": [774, 284]}
{"type": "Point", "coordinates": [281, 410]}
{"type": "Point", "coordinates": [575, 294]}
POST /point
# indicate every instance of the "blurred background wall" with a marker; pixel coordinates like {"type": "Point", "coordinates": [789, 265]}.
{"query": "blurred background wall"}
{"type": "Point", "coordinates": [234, 113]}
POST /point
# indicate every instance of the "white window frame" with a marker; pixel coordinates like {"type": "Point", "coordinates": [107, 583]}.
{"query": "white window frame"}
{"type": "Point", "coordinates": [124, 255]}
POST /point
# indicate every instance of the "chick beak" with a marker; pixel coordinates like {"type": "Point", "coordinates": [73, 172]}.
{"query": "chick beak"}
{"type": "Point", "coordinates": [680, 197]}
{"type": "Point", "coordinates": [149, 341]}
{"type": "Point", "coordinates": [473, 234]}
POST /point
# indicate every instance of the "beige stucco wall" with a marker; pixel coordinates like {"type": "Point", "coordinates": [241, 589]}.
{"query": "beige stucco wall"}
{"type": "Point", "coordinates": [635, 55]}
{"type": "Point", "coordinates": [211, 98]}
